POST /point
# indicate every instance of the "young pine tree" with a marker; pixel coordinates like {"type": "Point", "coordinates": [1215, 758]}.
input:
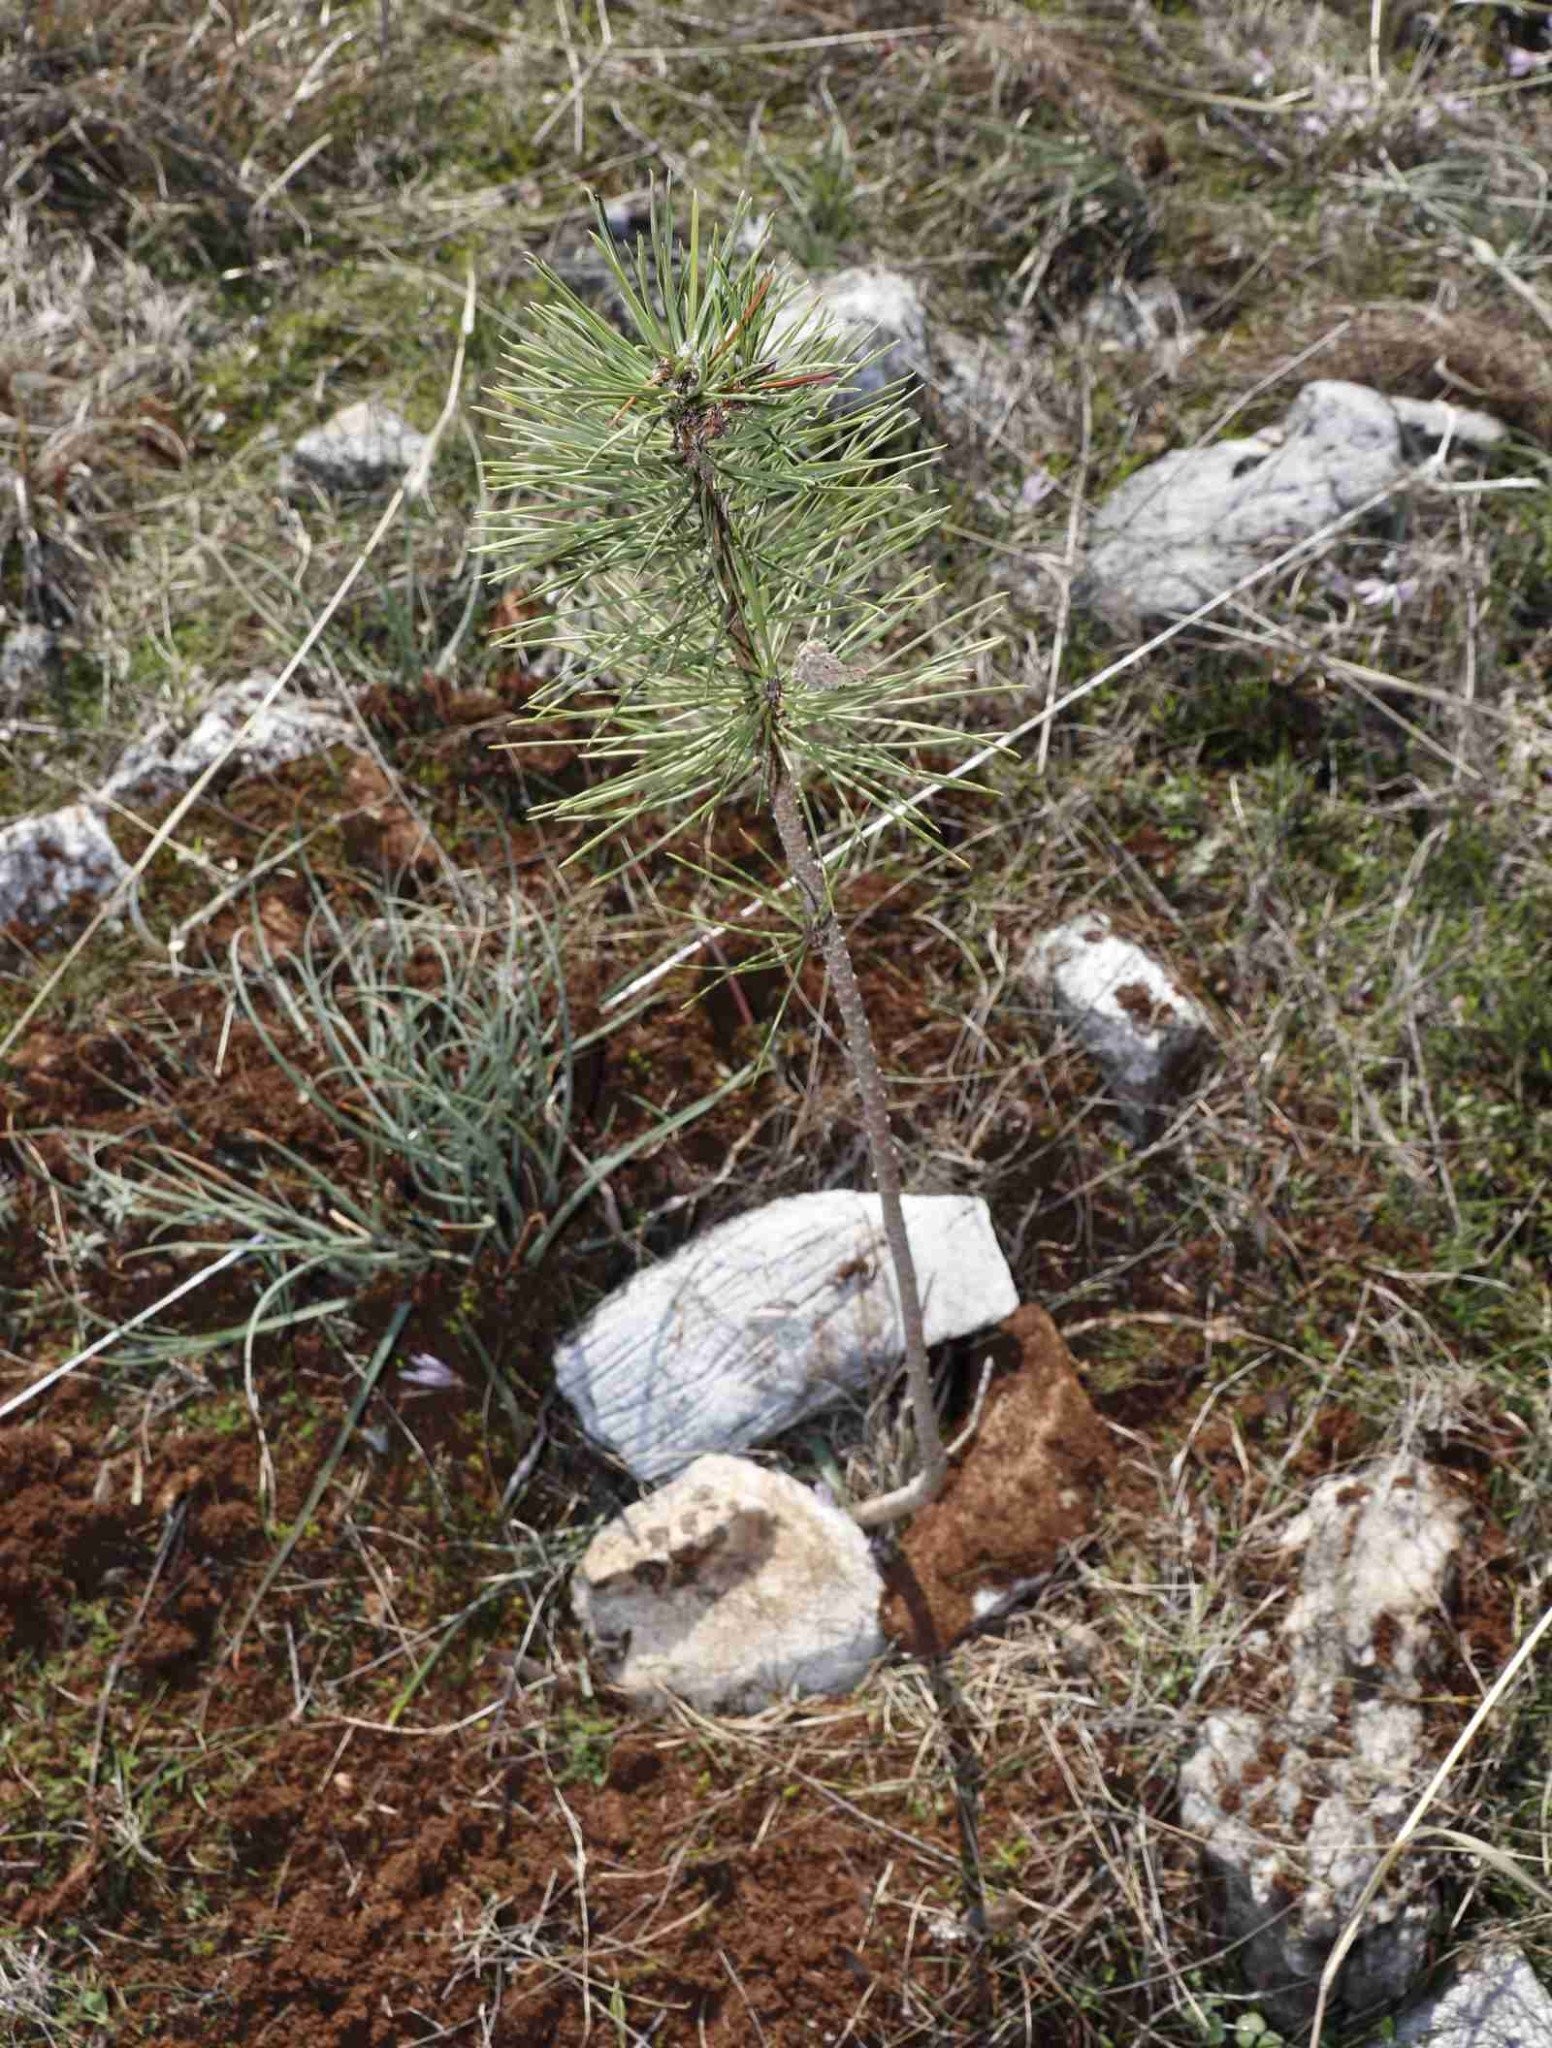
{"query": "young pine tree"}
{"type": "Point", "coordinates": [727, 547]}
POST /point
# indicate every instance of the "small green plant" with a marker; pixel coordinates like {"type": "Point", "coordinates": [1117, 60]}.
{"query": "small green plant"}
{"type": "Point", "coordinates": [434, 1047]}
{"type": "Point", "coordinates": [824, 201]}
{"type": "Point", "coordinates": [721, 554]}
{"type": "Point", "coordinates": [437, 1045]}
{"type": "Point", "coordinates": [586, 1744]}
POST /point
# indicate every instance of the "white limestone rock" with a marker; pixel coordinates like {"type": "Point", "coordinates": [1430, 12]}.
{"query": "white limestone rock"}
{"type": "Point", "coordinates": [27, 654]}
{"type": "Point", "coordinates": [1432, 420]}
{"type": "Point", "coordinates": [1193, 523]}
{"type": "Point", "coordinates": [1120, 1004]}
{"type": "Point", "coordinates": [1379, 1557]}
{"type": "Point", "coordinates": [1294, 1807]}
{"type": "Point", "coordinates": [167, 760]}
{"type": "Point", "coordinates": [364, 447]}
{"type": "Point", "coordinates": [1289, 1840]}
{"type": "Point", "coordinates": [1496, 2002]}
{"type": "Point", "coordinates": [731, 1587]}
{"type": "Point", "coordinates": [872, 310]}
{"type": "Point", "coordinates": [50, 861]}
{"type": "Point", "coordinates": [769, 1318]}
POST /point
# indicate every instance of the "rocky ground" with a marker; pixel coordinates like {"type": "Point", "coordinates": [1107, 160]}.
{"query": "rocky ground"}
{"type": "Point", "coordinates": [347, 1697]}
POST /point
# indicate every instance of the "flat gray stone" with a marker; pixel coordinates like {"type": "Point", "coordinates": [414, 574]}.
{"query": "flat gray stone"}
{"type": "Point", "coordinates": [731, 1587]}
{"type": "Point", "coordinates": [167, 760]}
{"type": "Point", "coordinates": [364, 447]}
{"type": "Point", "coordinates": [772, 1317]}
{"type": "Point", "coordinates": [1497, 2001]}
{"type": "Point", "coordinates": [1196, 521]}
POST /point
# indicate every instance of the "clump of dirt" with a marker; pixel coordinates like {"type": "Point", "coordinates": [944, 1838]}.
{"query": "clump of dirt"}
{"type": "Point", "coordinates": [382, 832]}
{"type": "Point", "coordinates": [1027, 1487]}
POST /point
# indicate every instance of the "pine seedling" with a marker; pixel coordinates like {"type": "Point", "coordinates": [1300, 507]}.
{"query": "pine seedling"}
{"type": "Point", "coordinates": [718, 534]}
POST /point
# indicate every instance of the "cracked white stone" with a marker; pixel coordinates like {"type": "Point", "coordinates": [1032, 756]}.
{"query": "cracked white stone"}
{"type": "Point", "coordinates": [731, 1587]}
{"type": "Point", "coordinates": [1120, 1004]}
{"type": "Point", "coordinates": [167, 760]}
{"type": "Point", "coordinates": [50, 861]}
{"type": "Point", "coordinates": [1293, 1808]}
{"type": "Point", "coordinates": [769, 1318]}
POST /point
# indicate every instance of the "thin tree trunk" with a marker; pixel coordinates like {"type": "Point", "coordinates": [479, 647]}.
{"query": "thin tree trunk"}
{"type": "Point", "coordinates": [802, 858]}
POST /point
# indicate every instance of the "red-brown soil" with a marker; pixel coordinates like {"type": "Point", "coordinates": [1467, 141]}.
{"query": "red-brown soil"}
{"type": "Point", "coordinates": [331, 1883]}
{"type": "Point", "coordinates": [366, 1866]}
{"type": "Point", "coordinates": [247, 1852]}
{"type": "Point", "coordinates": [1026, 1489]}
{"type": "Point", "coordinates": [343, 1871]}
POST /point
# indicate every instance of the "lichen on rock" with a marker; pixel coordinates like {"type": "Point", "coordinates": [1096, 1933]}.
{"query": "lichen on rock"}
{"type": "Point", "coordinates": [731, 1587]}
{"type": "Point", "coordinates": [1294, 1808]}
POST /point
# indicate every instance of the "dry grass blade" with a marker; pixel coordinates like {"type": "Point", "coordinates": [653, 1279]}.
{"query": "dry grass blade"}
{"type": "Point", "coordinates": [365, 1388]}
{"type": "Point", "coordinates": [186, 1286]}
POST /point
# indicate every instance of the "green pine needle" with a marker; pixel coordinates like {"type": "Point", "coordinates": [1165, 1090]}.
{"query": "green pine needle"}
{"type": "Point", "coordinates": [682, 629]}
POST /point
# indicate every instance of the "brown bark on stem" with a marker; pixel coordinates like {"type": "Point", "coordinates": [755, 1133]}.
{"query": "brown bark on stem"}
{"type": "Point", "coordinates": [696, 429]}
{"type": "Point", "coordinates": [798, 846]}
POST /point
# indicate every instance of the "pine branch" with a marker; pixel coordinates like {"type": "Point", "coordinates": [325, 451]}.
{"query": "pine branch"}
{"type": "Point", "coordinates": [732, 554]}
{"type": "Point", "coordinates": [803, 859]}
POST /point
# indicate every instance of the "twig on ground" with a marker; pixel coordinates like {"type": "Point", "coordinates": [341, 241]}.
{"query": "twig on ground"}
{"type": "Point", "coordinates": [320, 1485]}
{"type": "Point", "coordinates": [171, 1529]}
